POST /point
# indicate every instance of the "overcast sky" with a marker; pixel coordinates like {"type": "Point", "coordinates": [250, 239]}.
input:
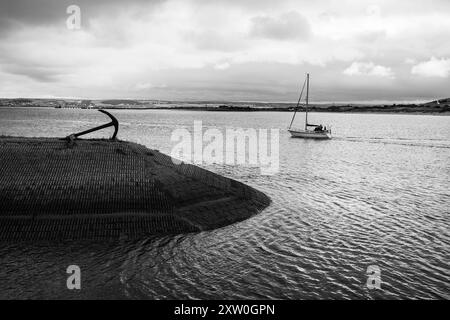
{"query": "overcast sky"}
{"type": "Point", "coordinates": [247, 50]}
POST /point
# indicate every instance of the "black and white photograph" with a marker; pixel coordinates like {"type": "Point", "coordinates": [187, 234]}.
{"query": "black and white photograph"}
{"type": "Point", "coordinates": [224, 155]}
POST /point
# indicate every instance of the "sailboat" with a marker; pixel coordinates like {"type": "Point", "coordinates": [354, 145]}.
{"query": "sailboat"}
{"type": "Point", "coordinates": [318, 131]}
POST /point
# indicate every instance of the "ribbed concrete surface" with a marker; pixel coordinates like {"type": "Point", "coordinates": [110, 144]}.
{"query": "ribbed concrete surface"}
{"type": "Point", "coordinates": [101, 189]}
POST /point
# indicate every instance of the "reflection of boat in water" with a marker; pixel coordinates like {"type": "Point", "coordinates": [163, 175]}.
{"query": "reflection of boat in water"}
{"type": "Point", "coordinates": [319, 131]}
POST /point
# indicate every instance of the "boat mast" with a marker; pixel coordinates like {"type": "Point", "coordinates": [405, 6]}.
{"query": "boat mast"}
{"type": "Point", "coordinates": [307, 98]}
{"type": "Point", "coordinates": [298, 103]}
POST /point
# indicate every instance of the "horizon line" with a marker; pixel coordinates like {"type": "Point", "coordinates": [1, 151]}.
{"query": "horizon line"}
{"type": "Point", "coordinates": [368, 102]}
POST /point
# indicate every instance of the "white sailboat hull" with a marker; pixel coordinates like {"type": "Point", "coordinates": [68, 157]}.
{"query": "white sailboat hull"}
{"type": "Point", "coordinates": [309, 134]}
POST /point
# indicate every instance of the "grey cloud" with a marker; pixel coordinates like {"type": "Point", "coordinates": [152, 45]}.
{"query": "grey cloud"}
{"type": "Point", "coordinates": [212, 40]}
{"type": "Point", "coordinates": [290, 25]}
{"type": "Point", "coordinates": [39, 73]}
{"type": "Point", "coordinates": [32, 12]}
{"type": "Point", "coordinates": [47, 12]}
{"type": "Point", "coordinates": [372, 36]}
{"type": "Point", "coordinates": [17, 63]}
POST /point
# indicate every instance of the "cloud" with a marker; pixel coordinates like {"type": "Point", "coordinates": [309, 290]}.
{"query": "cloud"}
{"type": "Point", "coordinates": [291, 25]}
{"type": "Point", "coordinates": [222, 66]}
{"type": "Point", "coordinates": [373, 10]}
{"type": "Point", "coordinates": [147, 85]}
{"type": "Point", "coordinates": [216, 41]}
{"type": "Point", "coordinates": [432, 68]}
{"type": "Point", "coordinates": [368, 69]}
{"type": "Point", "coordinates": [39, 73]}
{"type": "Point", "coordinates": [240, 49]}
{"type": "Point", "coordinates": [51, 12]}
{"type": "Point", "coordinates": [372, 36]}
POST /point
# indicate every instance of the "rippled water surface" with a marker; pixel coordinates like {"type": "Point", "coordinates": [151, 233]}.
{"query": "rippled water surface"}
{"type": "Point", "coordinates": [376, 194]}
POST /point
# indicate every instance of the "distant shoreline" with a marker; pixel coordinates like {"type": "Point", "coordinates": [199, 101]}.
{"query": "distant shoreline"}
{"type": "Point", "coordinates": [440, 107]}
{"type": "Point", "coordinates": [368, 110]}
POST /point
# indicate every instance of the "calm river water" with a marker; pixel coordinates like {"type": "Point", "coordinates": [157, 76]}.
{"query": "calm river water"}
{"type": "Point", "coordinates": [377, 194]}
